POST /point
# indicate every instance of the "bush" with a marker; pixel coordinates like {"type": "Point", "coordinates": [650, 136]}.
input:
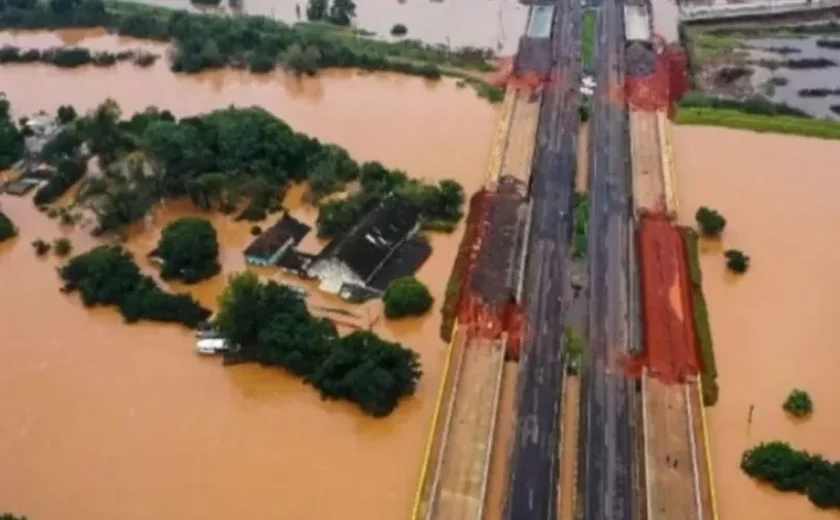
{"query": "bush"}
{"type": "Point", "coordinates": [710, 221]}
{"type": "Point", "coordinates": [62, 246]}
{"type": "Point", "coordinates": [736, 261]}
{"type": "Point", "coordinates": [41, 247]}
{"type": "Point", "coordinates": [272, 326]}
{"type": "Point", "coordinates": [7, 228]}
{"type": "Point", "coordinates": [68, 172]}
{"type": "Point", "coordinates": [799, 404]}
{"type": "Point", "coordinates": [107, 275]}
{"type": "Point", "coordinates": [406, 297]}
{"type": "Point", "coordinates": [189, 249]}
{"type": "Point", "coordinates": [786, 469]}
{"type": "Point", "coordinates": [399, 30]}
{"type": "Point", "coordinates": [580, 238]}
{"type": "Point", "coordinates": [256, 231]}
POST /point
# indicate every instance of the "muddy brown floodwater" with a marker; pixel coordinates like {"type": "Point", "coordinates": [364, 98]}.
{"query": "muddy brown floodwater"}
{"type": "Point", "coordinates": [775, 328]}
{"type": "Point", "coordinates": [104, 421]}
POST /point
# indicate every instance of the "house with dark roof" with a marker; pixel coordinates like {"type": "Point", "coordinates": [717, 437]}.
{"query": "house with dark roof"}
{"type": "Point", "coordinates": [272, 243]}
{"type": "Point", "coordinates": [355, 258]}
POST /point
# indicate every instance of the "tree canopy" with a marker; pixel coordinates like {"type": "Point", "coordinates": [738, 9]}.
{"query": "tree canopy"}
{"type": "Point", "coordinates": [786, 469]}
{"type": "Point", "coordinates": [710, 221]}
{"type": "Point", "coordinates": [189, 249]}
{"type": "Point", "coordinates": [407, 297]}
{"type": "Point", "coordinates": [272, 326]}
{"type": "Point", "coordinates": [7, 228]}
{"type": "Point", "coordinates": [11, 139]}
{"type": "Point", "coordinates": [107, 275]}
{"type": "Point", "coordinates": [798, 404]}
{"type": "Point", "coordinates": [736, 261]}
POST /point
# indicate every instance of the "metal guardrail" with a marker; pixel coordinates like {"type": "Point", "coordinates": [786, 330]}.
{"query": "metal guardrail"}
{"type": "Point", "coordinates": [761, 8]}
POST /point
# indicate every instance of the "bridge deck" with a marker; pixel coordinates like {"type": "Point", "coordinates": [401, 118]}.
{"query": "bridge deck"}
{"type": "Point", "coordinates": [646, 160]}
{"type": "Point", "coordinates": [462, 477]}
{"type": "Point", "coordinates": [521, 139]}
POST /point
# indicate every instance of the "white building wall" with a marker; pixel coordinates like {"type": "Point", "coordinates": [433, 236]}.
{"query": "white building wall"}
{"type": "Point", "coordinates": [636, 23]}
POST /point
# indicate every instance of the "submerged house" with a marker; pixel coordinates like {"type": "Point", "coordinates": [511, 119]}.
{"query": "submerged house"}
{"type": "Point", "coordinates": [276, 241]}
{"type": "Point", "coordinates": [354, 259]}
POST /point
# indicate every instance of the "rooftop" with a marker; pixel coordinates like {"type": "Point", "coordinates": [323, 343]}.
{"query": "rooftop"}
{"type": "Point", "coordinates": [285, 229]}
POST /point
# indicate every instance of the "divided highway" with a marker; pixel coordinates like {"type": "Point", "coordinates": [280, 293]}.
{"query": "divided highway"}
{"type": "Point", "coordinates": [547, 289]}
{"type": "Point", "coordinates": [606, 466]}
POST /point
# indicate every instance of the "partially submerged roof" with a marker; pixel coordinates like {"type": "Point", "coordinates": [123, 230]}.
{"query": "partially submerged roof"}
{"type": "Point", "coordinates": [373, 239]}
{"type": "Point", "coordinates": [285, 229]}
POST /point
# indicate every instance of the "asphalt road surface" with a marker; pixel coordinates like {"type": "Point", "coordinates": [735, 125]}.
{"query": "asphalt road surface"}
{"type": "Point", "coordinates": [606, 466]}
{"type": "Point", "coordinates": [534, 465]}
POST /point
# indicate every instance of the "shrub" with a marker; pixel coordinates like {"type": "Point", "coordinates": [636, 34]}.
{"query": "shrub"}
{"type": "Point", "coordinates": [256, 231]}
{"type": "Point", "coordinates": [68, 172]}
{"type": "Point", "coordinates": [399, 30]}
{"type": "Point", "coordinates": [407, 297]}
{"type": "Point", "coordinates": [736, 261]}
{"type": "Point", "coordinates": [798, 404]}
{"type": "Point", "coordinates": [62, 246]}
{"type": "Point", "coordinates": [778, 464]}
{"type": "Point", "coordinates": [710, 221]}
{"type": "Point", "coordinates": [7, 228]}
{"type": "Point", "coordinates": [41, 247]}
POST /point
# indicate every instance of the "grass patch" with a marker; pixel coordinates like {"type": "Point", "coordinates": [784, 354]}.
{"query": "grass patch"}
{"type": "Point", "coordinates": [728, 118]}
{"type": "Point", "coordinates": [588, 38]}
{"type": "Point", "coordinates": [581, 231]}
{"type": "Point", "coordinates": [702, 327]}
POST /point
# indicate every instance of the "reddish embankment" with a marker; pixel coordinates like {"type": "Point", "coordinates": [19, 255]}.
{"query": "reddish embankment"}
{"type": "Point", "coordinates": [669, 337]}
{"type": "Point", "coordinates": [662, 89]}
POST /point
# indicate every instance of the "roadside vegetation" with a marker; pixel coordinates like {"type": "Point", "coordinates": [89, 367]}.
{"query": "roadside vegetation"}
{"type": "Point", "coordinates": [738, 120]}
{"type": "Point", "coordinates": [72, 57]}
{"type": "Point", "coordinates": [189, 251]}
{"type": "Point", "coordinates": [702, 327]}
{"type": "Point", "coordinates": [7, 228]}
{"type": "Point", "coordinates": [799, 404]}
{"type": "Point", "coordinates": [271, 325]}
{"type": "Point", "coordinates": [788, 470]}
{"type": "Point", "coordinates": [710, 222]}
{"type": "Point", "coordinates": [581, 223]}
{"type": "Point", "coordinates": [405, 297]}
{"type": "Point", "coordinates": [207, 41]}
{"type": "Point", "coordinates": [108, 276]}
{"type": "Point", "coordinates": [575, 347]}
{"type": "Point", "coordinates": [736, 261]}
{"type": "Point", "coordinates": [232, 160]}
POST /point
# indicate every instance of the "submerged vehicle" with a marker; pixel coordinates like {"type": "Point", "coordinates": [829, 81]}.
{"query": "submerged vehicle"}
{"type": "Point", "coordinates": [210, 346]}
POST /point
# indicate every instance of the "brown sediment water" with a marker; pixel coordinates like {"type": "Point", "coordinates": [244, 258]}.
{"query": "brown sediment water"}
{"type": "Point", "coordinates": [116, 421]}
{"type": "Point", "coordinates": [478, 23]}
{"type": "Point", "coordinates": [774, 328]}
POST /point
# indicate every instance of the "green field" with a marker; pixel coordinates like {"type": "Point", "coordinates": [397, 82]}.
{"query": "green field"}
{"type": "Point", "coordinates": [736, 119]}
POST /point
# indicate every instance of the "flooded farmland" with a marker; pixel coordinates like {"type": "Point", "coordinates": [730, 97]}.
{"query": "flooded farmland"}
{"type": "Point", "coordinates": [775, 328]}
{"type": "Point", "coordinates": [495, 24]}
{"type": "Point", "coordinates": [115, 421]}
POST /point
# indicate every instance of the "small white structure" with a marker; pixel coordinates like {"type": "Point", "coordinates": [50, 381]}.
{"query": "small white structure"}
{"type": "Point", "coordinates": [210, 346]}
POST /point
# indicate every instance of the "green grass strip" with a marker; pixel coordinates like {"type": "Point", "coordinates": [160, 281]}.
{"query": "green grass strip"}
{"type": "Point", "coordinates": [588, 37]}
{"type": "Point", "coordinates": [819, 128]}
{"type": "Point", "coordinates": [702, 327]}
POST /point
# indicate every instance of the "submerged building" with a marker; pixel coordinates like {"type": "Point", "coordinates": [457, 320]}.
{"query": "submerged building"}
{"type": "Point", "coordinates": [280, 240]}
{"type": "Point", "coordinates": [351, 263]}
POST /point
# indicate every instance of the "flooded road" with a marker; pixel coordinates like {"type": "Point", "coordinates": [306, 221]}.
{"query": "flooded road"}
{"type": "Point", "coordinates": [496, 24]}
{"type": "Point", "coordinates": [775, 328]}
{"type": "Point", "coordinates": [110, 421]}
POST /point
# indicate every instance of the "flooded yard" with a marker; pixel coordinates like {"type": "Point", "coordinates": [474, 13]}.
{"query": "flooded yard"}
{"type": "Point", "coordinates": [114, 421]}
{"type": "Point", "coordinates": [775, 328]}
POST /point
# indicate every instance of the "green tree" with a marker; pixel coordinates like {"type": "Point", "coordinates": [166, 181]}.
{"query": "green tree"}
{"type": "Point", "coordinates": [66, 114]}
{"type": "Point", "coordinates": [399, 30]}
{"type": "Point", "coordinates": [799, 404]}
{"type": "Point", "coordinates": [302, 59]}
{"type": "Point", "coordinates": [7, 228]}
{"type": "Point", "coordinates": [62, 246]}
{"type": "Point", "coordinates": [736, 261]}
{"type": "Point", "coordinates": [9, 516]}
{"type": "Point", "coordinates": [710, 221]}
{"type": "Point", "coordinates": [316, 10]}
{"type": "Point", "coordinates": [189, 249]}
{"type": "Point", "coordinates": [342, 12]}
{"type": "Point", "coordinates": [11, 140]}
{"type": "Point", "coordinates": [407, 297]}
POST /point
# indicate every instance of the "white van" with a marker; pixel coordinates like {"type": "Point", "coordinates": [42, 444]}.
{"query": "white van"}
{"type": "Point", "coordinates": [210, 346]}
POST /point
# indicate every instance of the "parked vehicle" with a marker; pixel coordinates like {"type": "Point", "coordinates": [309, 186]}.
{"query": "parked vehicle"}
{"type": "Point", "coordinates": [210, 346]}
